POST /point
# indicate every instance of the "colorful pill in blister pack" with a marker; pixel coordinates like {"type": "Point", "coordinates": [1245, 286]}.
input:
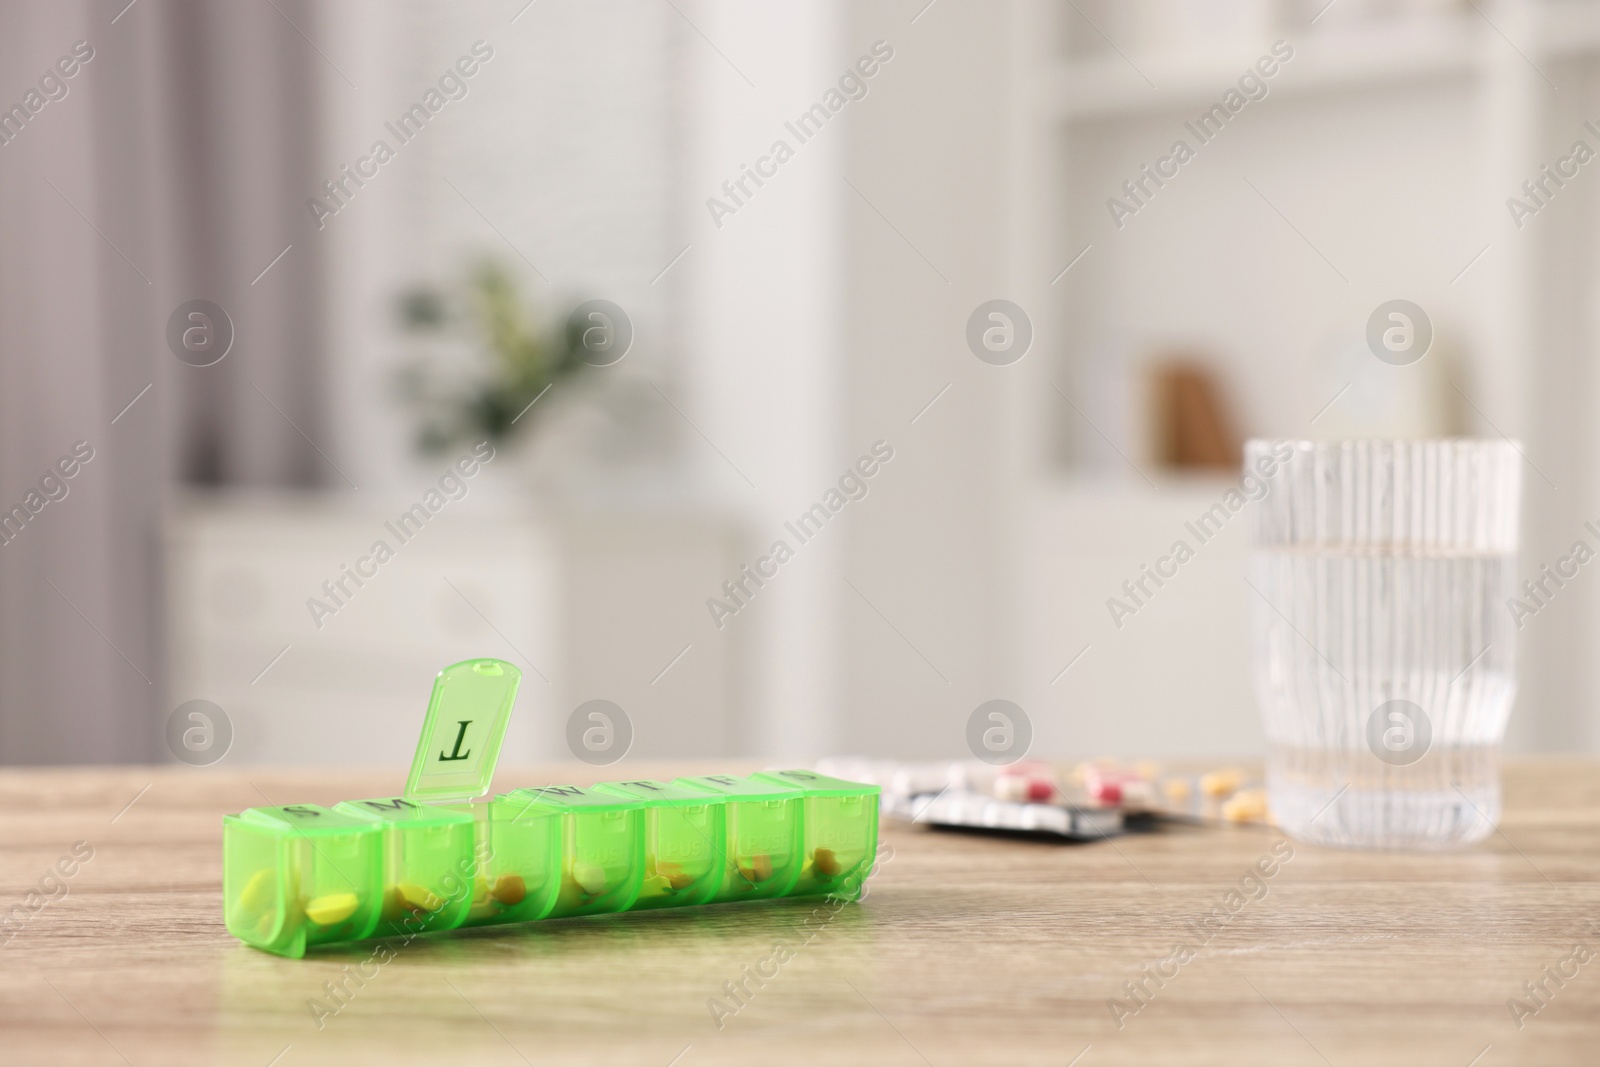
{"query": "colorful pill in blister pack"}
{"type": "Point", "coordinates": [1144, 790]}
{"type": "Point", "coordinates": [1093, 801]}
{"type": "Point", "coordinates": [303, 875]}
{"type": "Point", "coordinates": [1225, 795]}
{"type": "Point", "coordinates": [1025, 797]}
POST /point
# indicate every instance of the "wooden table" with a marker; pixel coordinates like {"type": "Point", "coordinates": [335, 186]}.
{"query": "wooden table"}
{"type": "Point", "coordinates": [968, 950]}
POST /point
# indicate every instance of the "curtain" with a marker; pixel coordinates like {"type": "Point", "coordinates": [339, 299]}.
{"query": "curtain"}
{"type": "Point", "coordinates": [171, 164]}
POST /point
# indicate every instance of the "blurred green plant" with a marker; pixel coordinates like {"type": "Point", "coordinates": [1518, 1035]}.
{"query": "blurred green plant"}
{"type": "Point", "coordinates": [514, 359]}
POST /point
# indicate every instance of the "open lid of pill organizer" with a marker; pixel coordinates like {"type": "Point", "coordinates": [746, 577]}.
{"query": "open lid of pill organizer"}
{"type": "Point", "coordinates": [462, 733]}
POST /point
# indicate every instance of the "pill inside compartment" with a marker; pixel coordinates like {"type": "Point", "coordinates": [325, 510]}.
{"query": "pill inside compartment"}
{"type": "Point", "coordinates": [517, 849]}
{"type": "Point", "coordinates": [602, 847]}
{"type": "Point", "coordinates": [683, 842]}
{"type": "Point", "coordinates": [840, 832]}
{"type": "Point", "coordinates": [300, 875]}
{"type": "Point", "coordinates": [429, 865]}
{"type": "Point", "coordinates": [762, 831]}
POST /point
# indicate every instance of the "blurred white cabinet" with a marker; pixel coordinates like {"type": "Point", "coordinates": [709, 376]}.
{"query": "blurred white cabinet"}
{"type": "Point", "coordinates": [606, 603]}
{"type": "Point", "coordinates": [1174, 678]}
{"type": "Point", "coordinates": [351, 687]}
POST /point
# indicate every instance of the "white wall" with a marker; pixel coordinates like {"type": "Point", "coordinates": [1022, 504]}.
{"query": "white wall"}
{"type": "Point", "coordinates": [926, 638]}
{"type": "Point", "coordinates": [766, 375]}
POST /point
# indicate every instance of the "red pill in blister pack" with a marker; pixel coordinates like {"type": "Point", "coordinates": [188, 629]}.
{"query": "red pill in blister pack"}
{"type": "Point", "coordinates": [1115, 785]}
{"type": "Point", "coordinates": [1023, 783]}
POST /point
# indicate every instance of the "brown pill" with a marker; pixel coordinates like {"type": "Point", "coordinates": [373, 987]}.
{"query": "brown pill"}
{"type": "Point", "coordinates": [393, 907]}
{"type": "Point", "coordinates": [509, 889]}
{"type": "Point", "coordinates": [826, 862]}
{"type": "Point", "coordinates": [674, 875]}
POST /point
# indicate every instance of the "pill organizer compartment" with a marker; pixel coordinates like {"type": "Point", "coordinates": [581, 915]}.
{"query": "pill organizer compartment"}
{"type": "Point", "coordinates": [299, 875]}
{"type": "Point", "coordinates": [429, 866]}
{"type": "Point", "coordinates": [602, 857]}
{"type": "Point", "coordinates": [763, 835]}
{"type": "Point", "coordinates": [839, 833]}
{"type": "Point", "coordinates": [517, 847]}
{"type": "Point", "coordinates": [683, 842]}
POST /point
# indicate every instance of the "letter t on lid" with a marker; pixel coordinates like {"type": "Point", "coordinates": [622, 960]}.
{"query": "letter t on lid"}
{"type": "Point", "coordinates": [463, 730]}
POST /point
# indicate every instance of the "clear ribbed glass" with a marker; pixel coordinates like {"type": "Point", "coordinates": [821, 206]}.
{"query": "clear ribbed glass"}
{"type": "Point", "coordinates": [1382, 646]}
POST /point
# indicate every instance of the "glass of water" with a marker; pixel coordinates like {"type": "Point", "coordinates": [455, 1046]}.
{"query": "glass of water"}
{"type": "Point", "coordinates": [1383, 648]}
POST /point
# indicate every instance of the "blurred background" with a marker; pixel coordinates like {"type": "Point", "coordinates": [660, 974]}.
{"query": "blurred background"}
{"type": "Point", "coordinates": [286, 271]}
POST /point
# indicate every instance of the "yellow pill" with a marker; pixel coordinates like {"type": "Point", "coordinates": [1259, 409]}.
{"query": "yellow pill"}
{"type": "Point", "coordinates": [259, 892]}
{"type": "Point", "coordinates": [827, 863]}
{"type": "Point", "coordinates": [509, 889]}
{"type": "Point", "coordinates": [657, 885]}
{"type": "Point", "coordinates": [332, 908]}
{"type": "Point", "coordinates": [1247, 805]}
{"type": "Point", "coordinates": [1219, 784]}
{"type": "Point", "coordinates": [590, 878]}
{"type": "Point", "coordinates": [414, 897]}
{"type": "Point", "coordinates": [1177, 791]}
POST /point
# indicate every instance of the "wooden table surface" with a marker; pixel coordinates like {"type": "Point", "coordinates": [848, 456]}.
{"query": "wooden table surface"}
{"type": "Point", "coordinates": [968, 950]}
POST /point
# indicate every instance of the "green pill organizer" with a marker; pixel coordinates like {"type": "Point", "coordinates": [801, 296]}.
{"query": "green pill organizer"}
{"type": "Point", "coordinates": [444, 855]}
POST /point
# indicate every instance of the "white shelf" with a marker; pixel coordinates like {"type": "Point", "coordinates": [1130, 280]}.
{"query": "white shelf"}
{"type": "Point", "coordinates": [1438, 48]}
